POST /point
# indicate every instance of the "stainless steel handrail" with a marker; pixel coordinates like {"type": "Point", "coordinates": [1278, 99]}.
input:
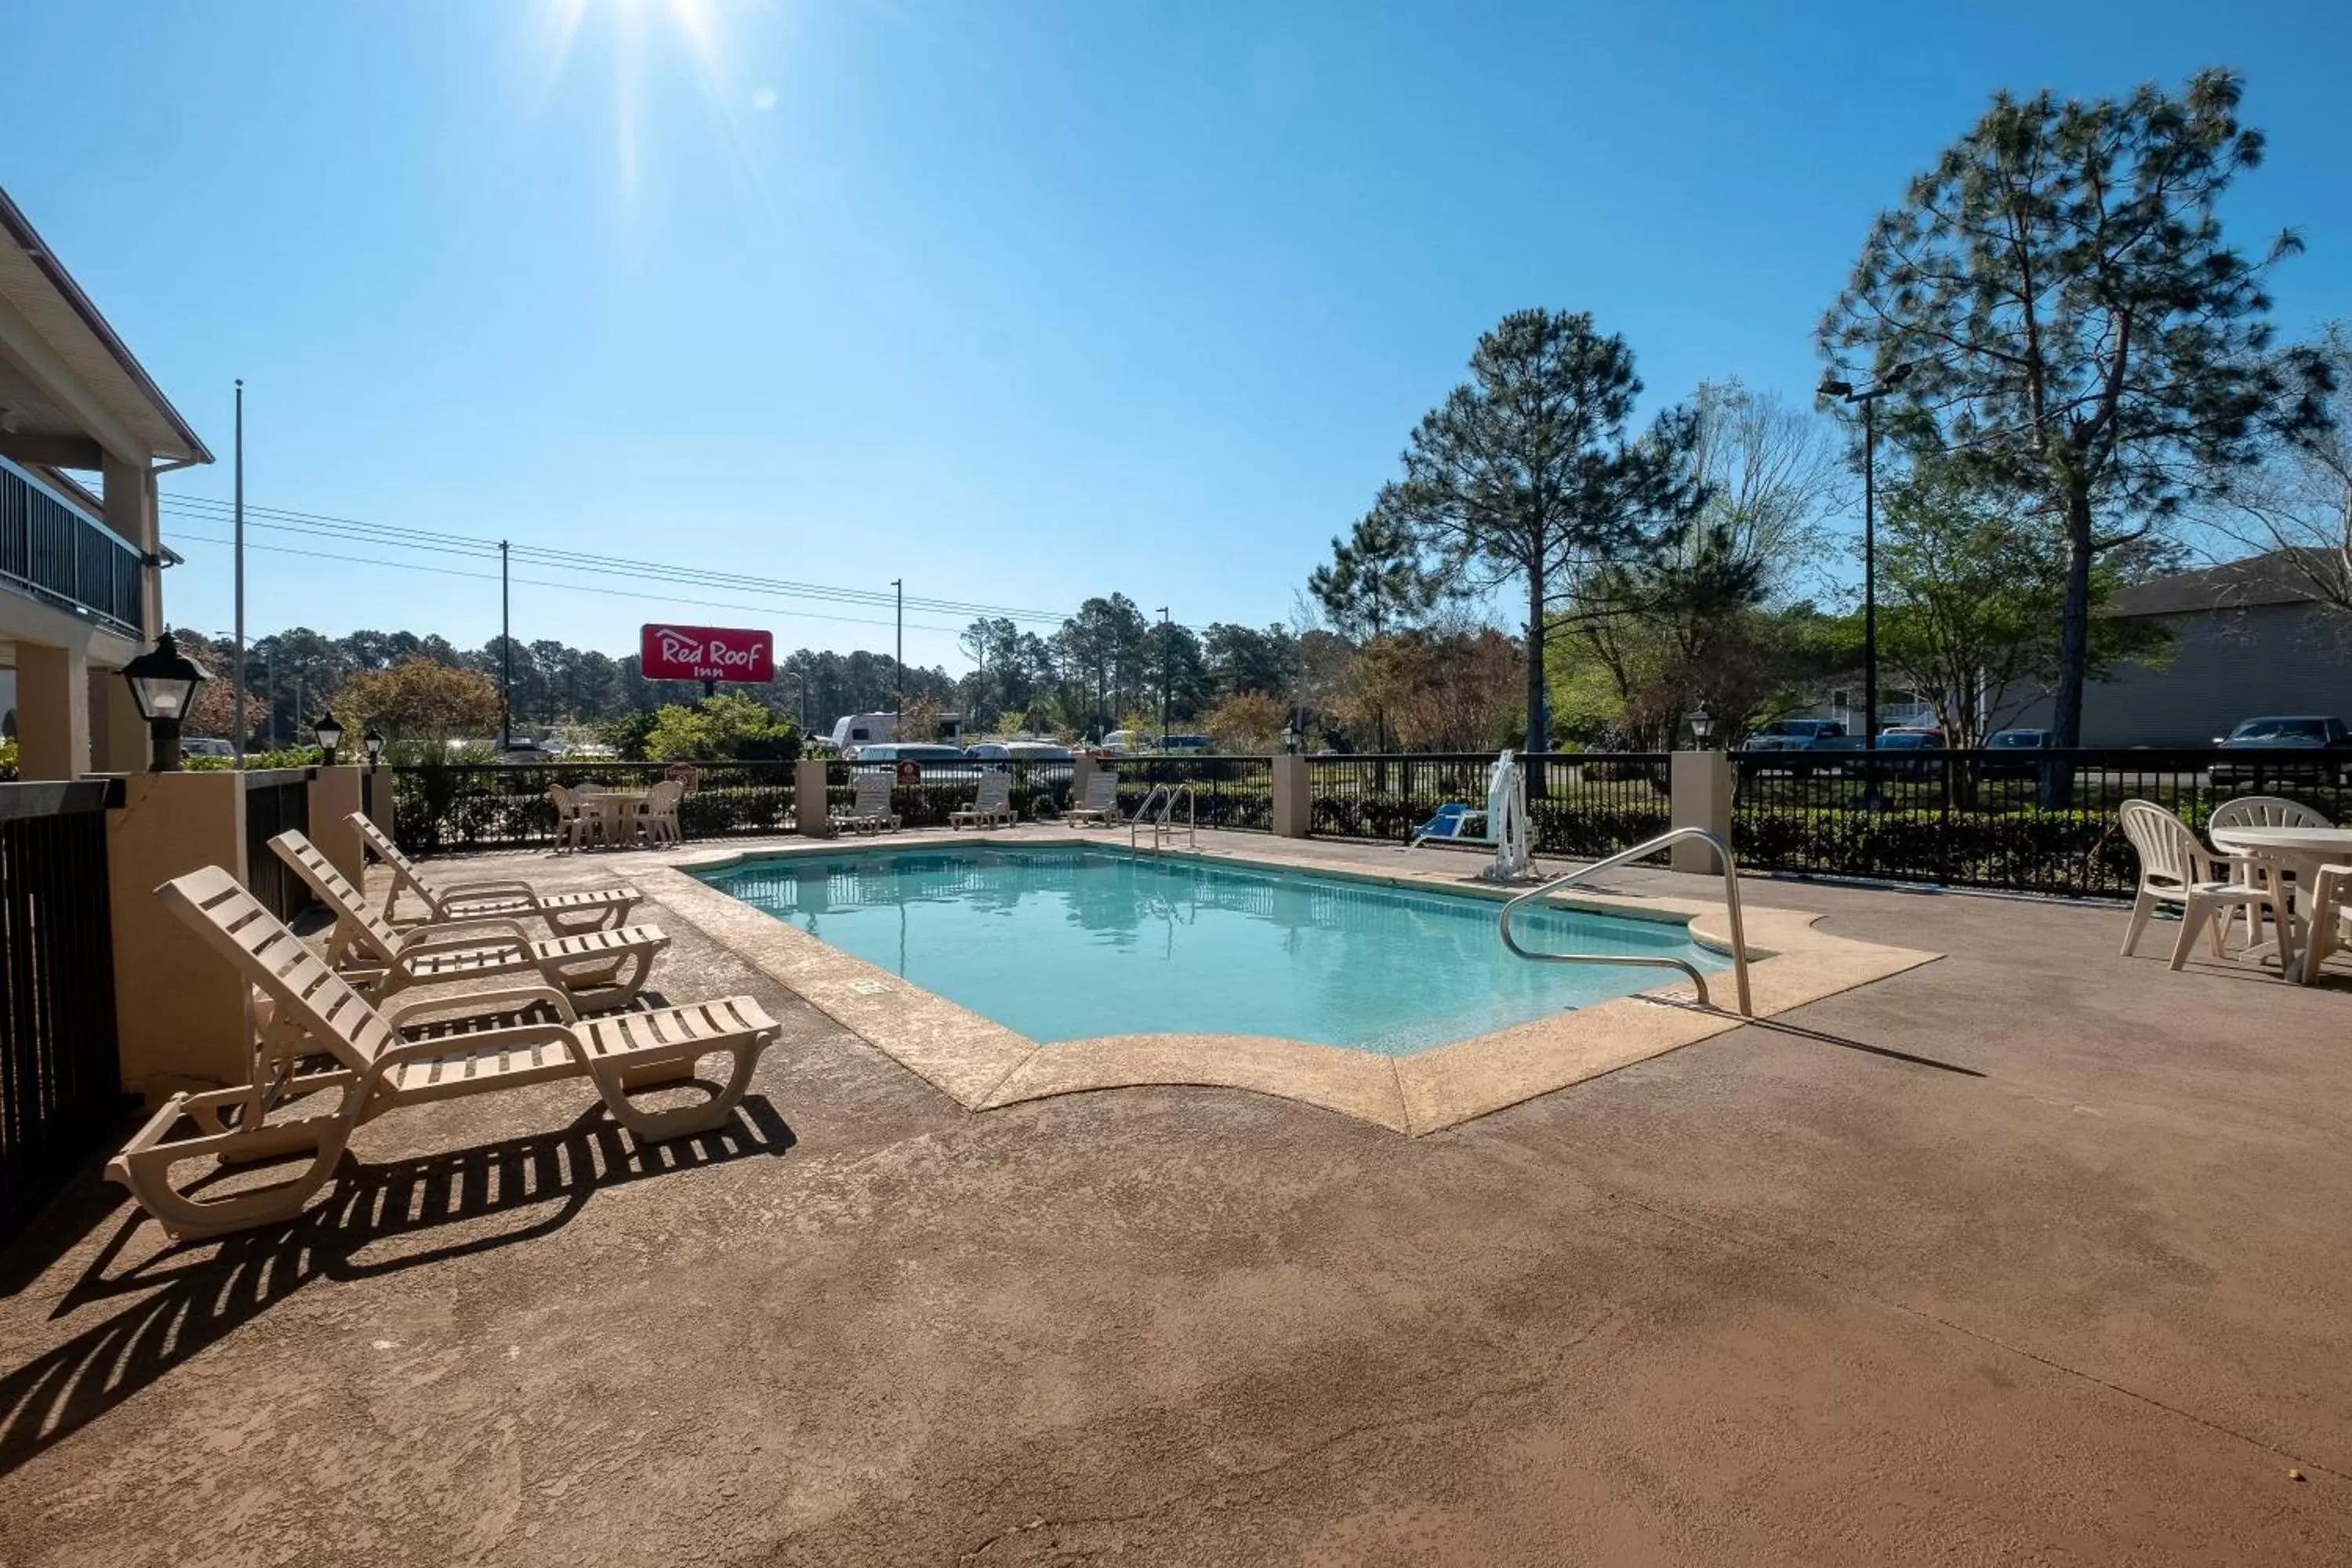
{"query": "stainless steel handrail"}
{"type": "Point", "coordinates": [1640, 851]}
{"type": "Point", "coordinates": [1168, 796]}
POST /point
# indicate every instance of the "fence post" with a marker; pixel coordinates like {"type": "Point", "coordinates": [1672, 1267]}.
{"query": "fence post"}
{"type": "Point", "coordinates": [334, 795]}
{"type": "Point", "coordinates": [380, 806]}
{"type": "Point", "coordinates": [810, 817]}
{"type": "Point", "coordinates": [1699, 785]}
{"type": "Point", "coordinates": [180, 1008]}
{"type": "Point", "coordinates": [1293, 802]}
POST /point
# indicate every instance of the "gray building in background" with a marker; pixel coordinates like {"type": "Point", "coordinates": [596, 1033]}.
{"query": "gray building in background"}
{"type": "Point", "coordinates": [2247, 637]}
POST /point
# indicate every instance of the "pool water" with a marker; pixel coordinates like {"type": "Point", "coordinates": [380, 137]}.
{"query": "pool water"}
{"type": "Point", "coordinates": [1066, 943]}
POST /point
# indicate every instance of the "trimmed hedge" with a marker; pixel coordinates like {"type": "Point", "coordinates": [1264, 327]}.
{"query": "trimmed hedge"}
{"type": "Point", "coordinates": [2032, 849]}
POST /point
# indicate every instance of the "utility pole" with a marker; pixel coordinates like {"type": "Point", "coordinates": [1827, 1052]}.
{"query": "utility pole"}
{"type": "Point", "coordinates": [506, 660]}
{"type": "Point", "coordinates": [1167, 653]}
{"type": "Point", "coordinates": [237, 720]}
{"type": "Point", "coordinates": [898, 657]}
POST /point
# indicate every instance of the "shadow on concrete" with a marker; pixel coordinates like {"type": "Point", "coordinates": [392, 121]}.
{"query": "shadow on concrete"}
{"type": "Point", "coordinates": [1781, 1027]}
{"type": "Point", "coordinates": [376, 1219]}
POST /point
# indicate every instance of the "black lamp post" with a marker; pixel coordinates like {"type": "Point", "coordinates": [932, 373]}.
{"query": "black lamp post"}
{"type": "Point", "coordinates": [331, 735]}
{"type": "Point", "coordinates": [371, 741]}
{"type": "Point", "coordinates": [1290, 738]}
{"type": "Point", "coordinates": [1868, 397]}
{"type": "Point", "coordinates": [1702, 725]}
{"type": "Point", "coordinates": [163, 682]}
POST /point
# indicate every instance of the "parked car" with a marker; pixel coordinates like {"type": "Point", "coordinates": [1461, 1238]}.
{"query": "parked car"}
{"type": "Point", "coordinates": [2284, 745]}
{"type": "Point", "coordinates": [1906, 744]}
{"type": "Point", "coordinates": [206, 746]}
{"type": "Point", "coordinates": [1798, 735]}
{"type": "Point", "coordinates": [938, 763]}
{"type": "Point", "coordinates": [2011, 747]}
{"type": "Point", "coordinates": [1792, 735]}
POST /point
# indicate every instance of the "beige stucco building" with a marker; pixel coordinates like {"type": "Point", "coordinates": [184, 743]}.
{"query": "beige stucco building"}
{"type": "Point", "coordinates": [2250, 638]}
{"type": "Point", "coordinates": [84, 434]}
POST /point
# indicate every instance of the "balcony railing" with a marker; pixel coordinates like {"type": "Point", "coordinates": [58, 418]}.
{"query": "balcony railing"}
{"type": "Point", "coordinates": [54, 551]}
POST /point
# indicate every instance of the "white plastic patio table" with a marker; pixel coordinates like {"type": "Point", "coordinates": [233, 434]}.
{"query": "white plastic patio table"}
{"type": "Point", "coordinates": [616, 809]}
{"type": "Point", "coordinates": [2302, 850]}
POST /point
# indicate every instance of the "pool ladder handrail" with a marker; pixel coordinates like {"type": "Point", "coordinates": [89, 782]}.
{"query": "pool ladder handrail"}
{"type": "Point", "coordinates": [1167, 795]}
{"type": "Point", "coordinates": [1641, 851]}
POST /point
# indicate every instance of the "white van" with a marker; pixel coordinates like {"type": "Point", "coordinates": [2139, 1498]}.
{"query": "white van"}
{"type": "Point", "coordinates": [863, 730]}
{"type": "Point", "coordinates": [871, 729]}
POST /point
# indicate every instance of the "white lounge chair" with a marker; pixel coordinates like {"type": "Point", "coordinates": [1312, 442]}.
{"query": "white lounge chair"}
{"type": "Point", "coordinates": [375, 1070]}
{"type": "Point", "coordinates": [1101, 806]}
{"type": "Point", "coordinates": [990, 807]}
{"type": "Point", "coordinates": [606, 967]}
{"type": "Point", "coordinates": [869, 811]}
{"type": "Point", "coordinates": [566, 914]}
{"type": "Point", "coordinates": [2175, 868]}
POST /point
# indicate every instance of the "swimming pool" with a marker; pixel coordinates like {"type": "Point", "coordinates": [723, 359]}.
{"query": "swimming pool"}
{"type": "Point", "coordinates": [1073, 943]}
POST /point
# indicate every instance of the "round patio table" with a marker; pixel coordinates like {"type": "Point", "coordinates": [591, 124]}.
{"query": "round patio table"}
{"type": "Point", "coordinates": [616, 811]}
{"type": "Point", "coordinates": [2300, 850]}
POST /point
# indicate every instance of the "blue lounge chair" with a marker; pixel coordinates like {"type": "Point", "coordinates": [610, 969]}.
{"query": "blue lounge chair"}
{"type": "Point", "coordinates": [1452, 823]}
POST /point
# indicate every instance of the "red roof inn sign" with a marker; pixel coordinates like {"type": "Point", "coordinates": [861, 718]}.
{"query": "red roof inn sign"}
{"type": "Point", "coordinates": [707, 653]}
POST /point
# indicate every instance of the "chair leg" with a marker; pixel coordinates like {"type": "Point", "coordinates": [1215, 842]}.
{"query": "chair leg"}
{"type": "Point", "coordinates": [2143, 906]}
{"type": "Point", "coordinates": [2195, 913]}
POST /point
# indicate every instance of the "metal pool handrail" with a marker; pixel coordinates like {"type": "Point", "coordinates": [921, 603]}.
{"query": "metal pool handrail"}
{"type": "Point", "coordinates": [1167, 795]}
{"type": "Point", "coordinates": [1647, 847]}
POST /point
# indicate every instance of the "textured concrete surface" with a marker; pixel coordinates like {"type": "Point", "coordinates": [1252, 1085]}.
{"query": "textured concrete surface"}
{"type": "Point", "coordinates": [2033, 1255]}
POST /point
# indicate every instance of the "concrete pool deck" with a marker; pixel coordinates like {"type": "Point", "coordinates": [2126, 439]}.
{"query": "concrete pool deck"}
{"type": "Point", "coordinates": [986, 1066]}
{"type": "Point", "coordinates": [2031, 1254]}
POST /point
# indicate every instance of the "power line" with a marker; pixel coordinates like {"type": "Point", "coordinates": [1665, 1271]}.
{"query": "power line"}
{"type": "Point", "coordinates": [202, 508]}
{"type": "Point", "coordinates": [540, 583]}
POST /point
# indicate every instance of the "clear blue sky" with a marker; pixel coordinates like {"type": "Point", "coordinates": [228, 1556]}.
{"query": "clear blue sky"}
{"type": "Point", "coordinates": [1020, 301]}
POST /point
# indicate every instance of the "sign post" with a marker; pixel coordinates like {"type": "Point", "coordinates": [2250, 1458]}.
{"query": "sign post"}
{"type": "Point", "coordinates": [709, 654]}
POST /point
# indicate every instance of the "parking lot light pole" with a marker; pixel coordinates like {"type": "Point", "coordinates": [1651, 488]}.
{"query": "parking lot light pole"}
{"type": "Point", "coordinates": [1868, 397]}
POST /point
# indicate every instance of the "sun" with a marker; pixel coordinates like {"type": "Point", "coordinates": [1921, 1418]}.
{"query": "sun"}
{"type": "Point", "coordinates": [637, 29]}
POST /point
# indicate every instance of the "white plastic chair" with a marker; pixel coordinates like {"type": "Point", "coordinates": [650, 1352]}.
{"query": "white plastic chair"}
{"type": "Point", "coordinates": [658, 815]}
{"type": "Point", "coordinates": [2175, 868]}
{"type": "Point", "coordinates": [2329, 928]}
{"type": "Point", "coordinates": [2263, 811]}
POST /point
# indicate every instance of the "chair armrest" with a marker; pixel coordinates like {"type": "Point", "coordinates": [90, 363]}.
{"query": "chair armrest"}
{"type": "Point", "coordinates": [477, 1003]}
{"type": "Point", "coordinates": [441, 931]}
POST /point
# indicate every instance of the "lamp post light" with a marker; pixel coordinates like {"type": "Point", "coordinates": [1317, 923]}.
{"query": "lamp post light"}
{"type": "Point", "coordinates": [372, 743]}
{"type": "Point", "coordinates": [163, 682]}
{"type": "Point", "coordinates": [1289, 738]}
{"type": "Point", "coordinates": [1702, 725]}
{"type": "Point", "coordinates": [330, 733]}
{"type": "Point", "coordinates": [1868, 397]}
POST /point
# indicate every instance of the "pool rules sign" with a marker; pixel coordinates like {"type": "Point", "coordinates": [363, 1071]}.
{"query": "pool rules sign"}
{"type": "Point", "coordinates": [707, 654]}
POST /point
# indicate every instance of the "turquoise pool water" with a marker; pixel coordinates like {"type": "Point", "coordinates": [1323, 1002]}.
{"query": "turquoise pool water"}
{"type": "Point", "coordinates": [1064, 943]}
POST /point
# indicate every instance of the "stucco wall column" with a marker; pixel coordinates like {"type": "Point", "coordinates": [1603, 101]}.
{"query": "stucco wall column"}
{"type": "Point", "coordinates": [52, 711]}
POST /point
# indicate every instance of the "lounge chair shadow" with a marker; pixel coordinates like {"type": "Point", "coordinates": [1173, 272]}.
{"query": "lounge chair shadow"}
{"type": "Point", "coordinates": [192, 1294]}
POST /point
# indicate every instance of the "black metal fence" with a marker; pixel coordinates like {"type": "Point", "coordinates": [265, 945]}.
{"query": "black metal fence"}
{"type": "Point", "coordinates": [441, 808]}
{"type": "Point", "coordinates": [2037, 822]}
{"type": "Point", "coordinates": [60, 1089]}
{"type": "Point", "coordinates": [1233, 792]}
{"type": "Point", "coordinates": [2029, 821]}
{"type": "Point", "coordinates": [1578, 803]}
{"type": "Point", "coordinates": [1039, 787]}
{"type": "Point", "coordinates": [276, 799]}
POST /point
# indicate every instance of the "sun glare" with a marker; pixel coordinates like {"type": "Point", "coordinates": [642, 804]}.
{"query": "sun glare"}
{"type": "Point", "coordinates": [636, 32]}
